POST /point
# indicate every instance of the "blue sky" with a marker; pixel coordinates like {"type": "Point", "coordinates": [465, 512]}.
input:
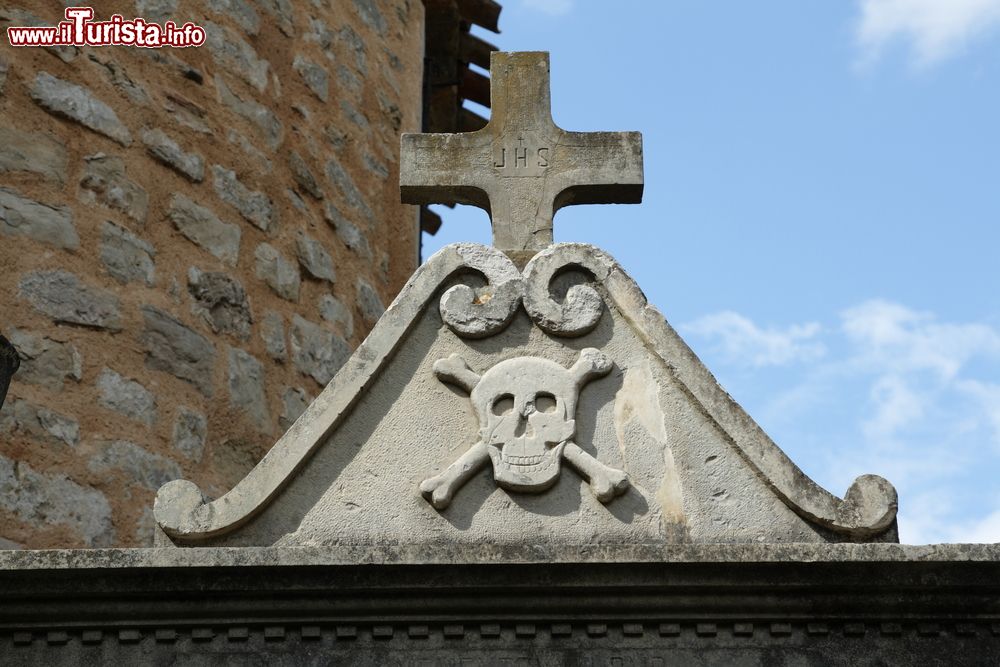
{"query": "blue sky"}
{"type": "Point", "coordinates": [820, 219]}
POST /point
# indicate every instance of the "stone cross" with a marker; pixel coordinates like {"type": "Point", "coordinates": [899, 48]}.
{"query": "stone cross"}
{"type": "Point", "coordinates": [521, 168]}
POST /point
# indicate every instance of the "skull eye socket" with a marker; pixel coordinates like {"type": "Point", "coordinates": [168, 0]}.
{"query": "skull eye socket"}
{"type": "Point", "coordinates": [503, 405]}
{"type": "Point", "coordinates": [545, 402]}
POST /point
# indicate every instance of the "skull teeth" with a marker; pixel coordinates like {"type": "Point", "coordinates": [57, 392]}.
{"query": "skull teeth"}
{"type": "Point", "coordinates": [524, 460]}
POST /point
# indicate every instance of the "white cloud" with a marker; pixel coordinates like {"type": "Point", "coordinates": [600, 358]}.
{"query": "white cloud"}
{"type": "Point", "coordinates": [550, 7]}
{"type": "Point", "coordinates": [744, 343]}
{"type": "Point", "coordinates": [988, 397]}
{"type": "Point", "coordinates": [935, 29]}
{"type": "Point", "coordinates": [893, 338]}
{"type": "Point", "coordinates": [896, 405]}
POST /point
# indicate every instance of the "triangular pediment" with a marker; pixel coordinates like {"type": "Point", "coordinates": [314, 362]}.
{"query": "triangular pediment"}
{"type": "Point", "coordinates": [631, 441]}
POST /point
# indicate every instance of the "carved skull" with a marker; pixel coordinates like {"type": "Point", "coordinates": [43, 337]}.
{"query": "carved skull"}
{"type": "Point", "coordinates": [526, 409]}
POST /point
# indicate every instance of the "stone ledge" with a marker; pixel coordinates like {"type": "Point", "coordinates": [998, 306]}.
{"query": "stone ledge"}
{"type": "Point", "coordinates": [435, 554]}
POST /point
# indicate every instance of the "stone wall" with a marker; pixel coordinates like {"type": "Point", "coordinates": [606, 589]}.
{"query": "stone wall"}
{"type": "Point", "coordinates": [192, 242]}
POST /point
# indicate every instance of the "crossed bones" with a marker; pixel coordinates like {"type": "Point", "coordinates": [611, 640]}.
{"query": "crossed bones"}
{"type": "Point", "coordinates": [526, 408]}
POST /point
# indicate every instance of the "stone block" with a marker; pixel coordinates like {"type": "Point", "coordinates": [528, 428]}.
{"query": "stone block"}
{"type": "Point", "coordinates": [294, 401]}
{"type": "Point", "coordinates": [279, 273]}
{"type": "Point", "coordinates": [139, 465]}
{"type": "Point", "coordinates": [158, 11]}
{"type": "Point", "coordinates": [167, 151]}
{"type": "Point", "coordinates": [369, 12]}
{"type": "Point", "coordinates": [202, 227]}
{"type": "Point", "coordinates": [65, 298]}
{"type": "Point", "coordinates": [239, 11]}
{"type": "Point", "coordinates": [51, 225]}
{"type": "Point", "coordinates": [32, 152]}
{"type": "Point", "coordinates": [369, 302]}
{"type": "Point", "coordinates": [334, 310]}
{"type": "Point", "coordinates": [255, 206]}
{"type": "Point", "coordinates": [221, 301]}
{"type": "Point", "coordinates": [314, 258]}
{"type": "Point", "coordinates": [259, 159]}
{"type": "Point", "coordinates": [353, 238]}
{"type": "Point", "coordinates": [303, 176]}
{"type": "Point", "coordinates": [258, 114]}
{"type": "Point", "coordinates": [316, 351]}
{"type": "Point", "coordinates": [104, 181]}
{"type": "Point", "coordinates": [39, 423]}
{"type": "Point", "coordinates": [120, 79]}
{"type": "Point", "coordinates": [345, 184]}
{"type": "Point", "coordinates": [45, 361]}
{"type": "Point", "coordinates": [126, 257]}
{"type": "Point", "coordinates": [190, 431]}
{"type": "Point", "coordinates": [175, 348]}
{"type": "Point", "coordinates": [281, 11]}
{"type": "Point", "coordinates": [315, 76]}
{"type": "Point", "coordinates": [126, 397]}
{"type": "Point", "coordinates": [246, 387]}
{"type": "Point", "coordinates": [76, 103]}
{"type": "Point", "coordinates": [272, 331]}
{"type": "Point", "coordinates": [53, 500]}
{"type": "Point", "coordinates": [233, 53]}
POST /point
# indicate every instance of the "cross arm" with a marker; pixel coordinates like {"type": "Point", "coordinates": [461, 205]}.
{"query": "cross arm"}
{"type": "Point", "coordinates": [603, 168]}
{"type": "Point", "coordinates": [445, 168]}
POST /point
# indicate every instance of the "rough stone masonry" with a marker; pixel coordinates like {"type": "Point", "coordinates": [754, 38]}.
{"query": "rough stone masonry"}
{"type": "Point", "coordinates": [189, 237]}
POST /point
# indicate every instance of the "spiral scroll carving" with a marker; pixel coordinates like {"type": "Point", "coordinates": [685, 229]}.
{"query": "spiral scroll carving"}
{"type": "Point", "coordinates": [583, 306]}
{"type": "Point", "coordinates": [482, 312]}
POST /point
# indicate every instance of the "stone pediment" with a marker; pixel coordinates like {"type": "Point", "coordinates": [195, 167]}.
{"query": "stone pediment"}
{"type": "Point", "coordinates": [551, 406]}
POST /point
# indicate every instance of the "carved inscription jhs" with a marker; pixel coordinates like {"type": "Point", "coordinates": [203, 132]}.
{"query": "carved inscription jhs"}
{"type": "Point", "coordinates": [526, 157]}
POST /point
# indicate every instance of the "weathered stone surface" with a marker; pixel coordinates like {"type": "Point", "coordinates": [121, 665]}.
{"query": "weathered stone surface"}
{"type": "Point", "coordinates": [4, 69]}
{"type": "Point", "coordinates": [334, 310]}
{"type": "Point", "coordinates": [246, 387]}
{"type": "Point", "coordinates": [65, 298]}
{"type": "Point", "coordinates": [282, 11]}
{"type": "Point", "coordinates": [221, 301]}
{"type": "Point", "coordinates": [104, 181]}
{"type": "Point", "coordinates": [204, 228]}
{"type": "Point", "coordinates": [44, 361]}
{"type": "Point", "coordinates": [303, 175]}
{"type": "Point", "coordinates": [521, 167]}
{"type": "Point", "coordinates": [238, 10]}
{"type": "Point", "coordinates": [350, 82]}
{"type": "Point", "coordinates": [126, 257]}
{"type": "Point", "coordinates": [314, 258]}
{"type": "Point", "coordinates": [369, 303]}
{"type": "Point", "coordinates": [280, 274]}
{"type": "Point", "coordinates": [253, 205]}
{"type": "Point", "coordinates": [258, 114]}
{"type": "Point", "coordinates": [259, 158]}
{"type": "Point", "coordinates": [294, 401]}
{"type": "Point", "coordinates": [76, 103]}
{"type": "Point", "coordinates": [167, 151]}
{"type": "Point", "coordinates": [52, 225]}
{"type": "Point", "coordinates": [345, 184]}
{"type": "Point", "coordinates": [352, 237]}
{"type": "Point", "coordinates": [120, 79]}
{"type": "Point", "coordinates": [187, 113]}
{"type": "Point", "coordinates": [190, 431]}
{"type": "Point", "coordinates": [32, 152]}
{"type": "Point", "coordinates": [272, 331]}
{"type": "Point", "coordinates": [143, 467]}
{"type": "Point", "coordinates": [158, 11]}
{"type": "Point", "coordinates": [315, 76]}
{"type": "Point", "coordinates": [376, 166]}
{"type": "Point", "coordinates": [39, 423]}
{"type": "Point", "coordinates": [232, 52]}
{"type": "Point", "coordinates": [369, 12]}
{"type": "Point", "coordinates": [173, 347]}
{"type": "Point", "coordinates": [46, 500]}
{"type": "Point", "coordinates": [316, 351]}
{"type": "Point", "coordinates": [126, 397]}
